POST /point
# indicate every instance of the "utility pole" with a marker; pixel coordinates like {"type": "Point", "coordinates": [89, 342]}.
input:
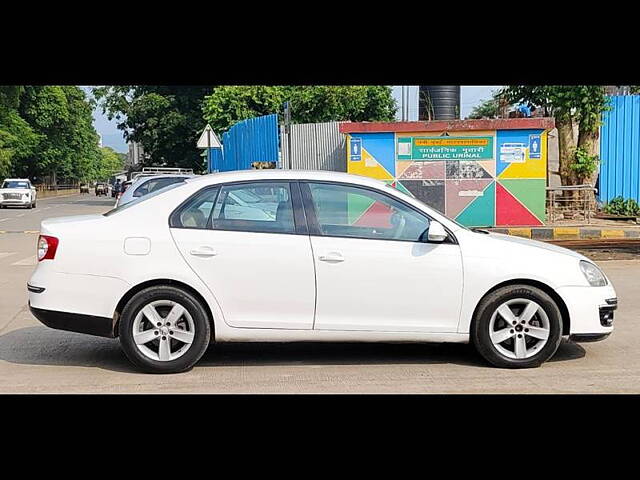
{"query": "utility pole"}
{"type": "Point", "coordinates": [287, 130]}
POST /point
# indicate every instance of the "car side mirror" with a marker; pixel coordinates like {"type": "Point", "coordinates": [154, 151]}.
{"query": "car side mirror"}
{"type": "Point", "coordinates": [436, 232]}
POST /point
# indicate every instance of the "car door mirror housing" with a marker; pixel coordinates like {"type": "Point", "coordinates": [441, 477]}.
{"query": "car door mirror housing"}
{"type": "Point", "coordinates": [436, 232]}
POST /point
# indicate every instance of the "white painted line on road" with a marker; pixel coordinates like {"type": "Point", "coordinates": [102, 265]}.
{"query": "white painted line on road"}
{"type": "Point", "coordinates": [21, 215]}
{"type": "Point", "coordinates": [6, 254]}
{"type": "Point", "coordinates": [26, 262]}
{"type": "Point", "coordinates": [4, 220]}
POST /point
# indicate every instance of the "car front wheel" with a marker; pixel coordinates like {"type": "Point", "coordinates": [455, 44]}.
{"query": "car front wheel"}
{"type": "Point", "coordinates": [517, 326]}
{"type": "Point", "coordinates": [164, 329]}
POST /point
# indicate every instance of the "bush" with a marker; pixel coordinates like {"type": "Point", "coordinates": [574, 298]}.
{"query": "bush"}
{"type": "Point", "coordinates": [620, 206]}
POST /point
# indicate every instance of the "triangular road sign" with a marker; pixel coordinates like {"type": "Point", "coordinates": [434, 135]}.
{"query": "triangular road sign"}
{"type": "Point", "coordinates": [209, 139]}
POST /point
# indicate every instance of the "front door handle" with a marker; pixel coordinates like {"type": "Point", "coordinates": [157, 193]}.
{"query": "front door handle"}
{"type": "Point", "coordinates": [334, 257]}
{"type": "Point", "coordinates": [203, 252]}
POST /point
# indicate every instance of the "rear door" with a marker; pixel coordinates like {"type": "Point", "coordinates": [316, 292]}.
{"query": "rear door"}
{"type": "Point", "coordinates": [250, 246]}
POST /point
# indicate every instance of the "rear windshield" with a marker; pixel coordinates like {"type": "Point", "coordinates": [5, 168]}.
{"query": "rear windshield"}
{"type": "Point", "coordinates": [142, 199]}
{"type": "Point", "coordinates": [15, 184]}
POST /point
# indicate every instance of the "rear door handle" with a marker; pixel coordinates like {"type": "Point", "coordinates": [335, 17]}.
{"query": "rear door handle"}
{"type": "Point", "coordinates": [203, 252]}
{"type": "Point", "coordinates": [331, 257]}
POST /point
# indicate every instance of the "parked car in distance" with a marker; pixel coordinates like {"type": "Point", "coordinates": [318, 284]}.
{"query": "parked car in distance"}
{"type": "Point", "coordinates": [144, 185]}
{"type": "Point", "coordinates": [84, 188]}
{"type": "Point", "coordinates": [101, 189]}
{"type": "Point", "coordinates": [342, 258]}
{"type": "Point", "coordinates": [18, 192]}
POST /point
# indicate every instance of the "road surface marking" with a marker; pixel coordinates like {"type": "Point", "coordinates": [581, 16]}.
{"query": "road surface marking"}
{"type": "Point", "coordinates": [6, 254]}
{"type": "Point", "coordinates": [4, 220]}
{"type": "Point", "coordinates": [29, 261]}
{"type": "Point", "coordinates": [21, 215]}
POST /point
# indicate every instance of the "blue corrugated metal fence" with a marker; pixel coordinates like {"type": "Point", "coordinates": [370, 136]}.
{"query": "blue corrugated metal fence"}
{"type": "Point", "coordinates": [620, 149]}
{"type": "Point", "coordinates": [252, 140]}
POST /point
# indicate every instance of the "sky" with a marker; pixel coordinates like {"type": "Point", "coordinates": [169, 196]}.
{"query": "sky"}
{"type": "Point", "coordinates": [470, 96]}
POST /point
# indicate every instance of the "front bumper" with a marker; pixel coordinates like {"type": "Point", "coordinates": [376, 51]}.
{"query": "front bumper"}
{"type": "Point", "coordinates": [74, 322]}
{"type": "Point", "coordinates": [591, 311]}
{"type": "Point", "coordinates": [14, 202]}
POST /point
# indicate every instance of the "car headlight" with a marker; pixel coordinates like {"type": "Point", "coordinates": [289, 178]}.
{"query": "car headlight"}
{"type": "Point", "coordinates": [593, 274]}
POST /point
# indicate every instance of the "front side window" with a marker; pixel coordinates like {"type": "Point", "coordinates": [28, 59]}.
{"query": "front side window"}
{"type": "Point", "coordinates": [350, 211]}
{"type": "Point", "coordinates": [254, 207]}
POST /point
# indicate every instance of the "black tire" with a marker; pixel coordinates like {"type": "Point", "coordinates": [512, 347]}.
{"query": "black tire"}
{"type": "Point", "coordinates": [200, 318]}
{"type": "Point", "coordinates": [480, 335]}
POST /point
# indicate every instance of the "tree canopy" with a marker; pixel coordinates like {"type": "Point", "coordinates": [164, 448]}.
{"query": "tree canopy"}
{"type": "Point", "coordinates": [165, 120]}
{"type": "Point", "coordinates": [230, 104]}
{"type": "Point", "coordinates": [47, 131]}
{"type": "Point", "coordinates": [581, 105]}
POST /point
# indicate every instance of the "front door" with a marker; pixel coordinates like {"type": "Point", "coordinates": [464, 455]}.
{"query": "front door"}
{"type": "Point", "coordinates": [374, 271]}
{"type": "Point", "coordinates": [241, 240]}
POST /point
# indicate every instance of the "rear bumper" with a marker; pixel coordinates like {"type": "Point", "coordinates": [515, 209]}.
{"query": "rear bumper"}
{"type": "Point", "coordinates": [74, 322]}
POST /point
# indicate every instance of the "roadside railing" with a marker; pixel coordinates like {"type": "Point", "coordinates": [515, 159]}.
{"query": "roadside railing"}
{"type": "Point", "coordinates": [571, 202]}
{"type": "Point", "coordinates": [55, 190]}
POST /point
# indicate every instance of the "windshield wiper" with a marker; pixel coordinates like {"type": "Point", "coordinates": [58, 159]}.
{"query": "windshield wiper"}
{"type": "Point", "coordinates": [480, 230]}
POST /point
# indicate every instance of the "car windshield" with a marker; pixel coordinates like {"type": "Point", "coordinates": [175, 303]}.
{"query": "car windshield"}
{"type": "Point", "coordinates": [15, 184]}
{"type": "Point", "coordinates": [142, 199]}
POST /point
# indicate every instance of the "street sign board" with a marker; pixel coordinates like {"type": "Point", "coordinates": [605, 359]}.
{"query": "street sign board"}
{"type": "Point", "coordinates": [355, 149]}
{"type": "Point", "coordinates": [209, 139]}
{"type": "Point", "coordinates": [534, 146]}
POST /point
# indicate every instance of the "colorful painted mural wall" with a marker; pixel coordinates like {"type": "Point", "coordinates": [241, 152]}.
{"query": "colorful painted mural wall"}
{"type": "Point", "coordinates": [482, 173]}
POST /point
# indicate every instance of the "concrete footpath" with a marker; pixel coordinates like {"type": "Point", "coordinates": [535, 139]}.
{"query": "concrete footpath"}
{"type": "Point", "coordinates": [552, 232]}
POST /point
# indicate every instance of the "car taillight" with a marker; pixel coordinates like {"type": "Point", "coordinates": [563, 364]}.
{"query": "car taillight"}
{"type": "Point", "coordinates": [47, 247]}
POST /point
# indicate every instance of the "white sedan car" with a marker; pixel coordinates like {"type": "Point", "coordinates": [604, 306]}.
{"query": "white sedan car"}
{"type": "Point", "coordinates": [344, 258]}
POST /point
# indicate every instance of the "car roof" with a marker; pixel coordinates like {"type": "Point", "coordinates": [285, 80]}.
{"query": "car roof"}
{"type": "Point", "coordinates": [279, 174]}
{"type": "Point", "coordinates": [16, 180]}
{"type": "Point", "coordinates": [146, 178]}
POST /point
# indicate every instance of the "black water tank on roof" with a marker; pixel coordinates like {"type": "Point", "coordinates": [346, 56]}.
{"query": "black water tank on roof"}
{"type": "Point", "coordinates": [439, 102]}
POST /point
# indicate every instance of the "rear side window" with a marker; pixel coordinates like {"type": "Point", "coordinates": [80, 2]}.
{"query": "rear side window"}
{"type": "Point", "coordinates": [254, 207]}
{"type": "Point", "coordinates": [196, 212]}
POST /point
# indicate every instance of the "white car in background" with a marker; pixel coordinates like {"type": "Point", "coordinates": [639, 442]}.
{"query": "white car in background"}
{"type": "Point", "coordinates": [341, 258]}
{"type": "Point", "coordinates": [17, 192]}
{"type": "Point", "coordinates": [145, 185]}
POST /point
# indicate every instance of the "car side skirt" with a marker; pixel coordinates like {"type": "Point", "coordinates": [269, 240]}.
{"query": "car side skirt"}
{"type": "Point", "coordinates": [286, 335]}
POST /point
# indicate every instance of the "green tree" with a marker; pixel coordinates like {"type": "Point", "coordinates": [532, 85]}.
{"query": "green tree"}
{"type": "Point", "coordinates": [109, 163]}
{"type": "Point", "coordinates": [488, 108]}
{"type": "Point", "coordinates": [576, 104]}
{"type": "Point", "coordinates": [62, 117]}
{"type": "Point", "coordinates": [165, 120]}
{"type": "Point", "coordinates": [229, 104]}
{"type": "Point", "coordinates": [17, 138]}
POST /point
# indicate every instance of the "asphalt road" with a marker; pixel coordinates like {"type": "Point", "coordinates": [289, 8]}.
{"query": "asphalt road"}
{"type": "Point", "coordinates": [34, 358]}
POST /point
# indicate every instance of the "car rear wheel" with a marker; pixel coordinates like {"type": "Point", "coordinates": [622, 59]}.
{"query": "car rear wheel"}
{"type": "Point", "coordinates": [517, 326]}
{"type": "Point", "coordinates": [164, 329]}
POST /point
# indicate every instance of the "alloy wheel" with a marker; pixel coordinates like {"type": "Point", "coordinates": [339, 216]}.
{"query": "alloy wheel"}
{"type": "Point", "coordinates": [163, 330]}
{"type": "Point", "coordinates": [519, 328]}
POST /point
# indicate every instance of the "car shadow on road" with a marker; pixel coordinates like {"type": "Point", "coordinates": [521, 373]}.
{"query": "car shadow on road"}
{"type": "Point", "coordinates": [45, 346]}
